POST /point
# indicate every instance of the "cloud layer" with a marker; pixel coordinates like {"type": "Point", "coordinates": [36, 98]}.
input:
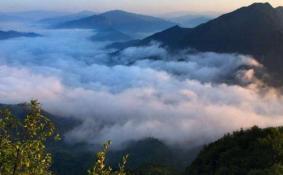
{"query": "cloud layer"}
{"type": "Point", "coordinates": [180, 98]}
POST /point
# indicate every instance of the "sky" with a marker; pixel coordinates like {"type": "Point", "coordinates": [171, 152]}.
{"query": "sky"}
{"type": "Point", "coordinates": [141, 6]}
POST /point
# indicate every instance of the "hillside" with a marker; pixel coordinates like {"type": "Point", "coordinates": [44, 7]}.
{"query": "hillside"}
{"type": "Point", "coordinates": [150, 155]}
{"type": "Point", "coordinates": [128, 23]}
{"type": "Point", "coordinates": [13, 34]}
{"type": "Point", "coordinates": [255, 30]}
{"type": "Point", "coordinates": [246, 152]}
{"type": "Point", "coordinates": [191, 21]}
{"type": "Point", "coordinates": [61, 19]}
{"type": "Point", "coordinates": [131, 22]}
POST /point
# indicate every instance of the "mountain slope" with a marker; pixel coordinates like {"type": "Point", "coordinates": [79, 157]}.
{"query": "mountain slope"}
{"type": "Point", "coordinates": [131, 22]}
{"type": "Point", "coordinates": [63, 124]}
{"type": "Point", "coordinates": [91, 22]}
{"type": "Point", "coordinates": [13, 34]}
{"type": "Point", "coordinates": [255, 30]}
{"type": "Point", "coordinates": [62, 19]}
{"type": "Point", "coordinates": [75, 158]}
{"type": "Point", "coordinates": [190, 20]}
{"type": "Point", "coordinates": [125, 22]}
{"type": "Point", "coordinates": [280, 11]}
{"type": "Point", "coordinates": [110, 35]}
{"type": "Point", "coordinates": [254, 151]}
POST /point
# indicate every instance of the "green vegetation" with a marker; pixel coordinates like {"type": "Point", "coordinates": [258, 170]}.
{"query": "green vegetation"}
{"type": "Point", "coordinates": [246, 152]}
{"type": "Point", "coordinates": [24, 143]}
{"type": "Point", "coordinates": [100, 167]}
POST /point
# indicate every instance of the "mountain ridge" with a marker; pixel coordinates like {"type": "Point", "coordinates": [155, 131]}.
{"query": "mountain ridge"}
{"type": "Point", "coordinates": [126, 22]}
{"type": "Point", "coordinates": [255, 30]}
{"type": "Point", "coordinates": [14, 34]}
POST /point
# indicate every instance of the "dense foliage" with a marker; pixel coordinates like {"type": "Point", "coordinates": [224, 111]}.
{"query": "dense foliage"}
{"type": "Point", "coordinates": [100, 167]}
{"type": "Point", "coordinates": [146, 157]}
{"type": "Point", "coordinates": [22, 143]}
{"type": "Point", "coordinates": [246, 152]}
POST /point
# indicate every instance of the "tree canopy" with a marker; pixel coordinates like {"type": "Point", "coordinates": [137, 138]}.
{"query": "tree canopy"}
{"type": "Point", "coordinates": [246, 152]}
{"type": "Point", "coordinates": [22, 142]}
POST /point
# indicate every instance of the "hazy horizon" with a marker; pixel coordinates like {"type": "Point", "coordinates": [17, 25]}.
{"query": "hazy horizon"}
{"type": "Point", "coordinates": [182, 87]}
{"type": "Point", "coordinates": [144, 7]}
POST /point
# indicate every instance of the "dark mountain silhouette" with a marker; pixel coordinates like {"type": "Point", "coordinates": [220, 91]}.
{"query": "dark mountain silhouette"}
{"type": "Point", "coordinates": [125, 22]}
{"type": "Point", "coordinates": [255, 30]}
{"type": "Point", "coordinates": [62, 123]}
{"type": "Point", "coordinates": [13, 34]}
{"type": "Point", "coordinates": [73, 159]}
{"type": "Point", "coordinates": [252, 151]}
{"type": "Point", "coordinates": [280, 10]}
{"type": "Point", "coordinates": [190, 20]}
{"type": "Point", "coordinates": [76, 158]}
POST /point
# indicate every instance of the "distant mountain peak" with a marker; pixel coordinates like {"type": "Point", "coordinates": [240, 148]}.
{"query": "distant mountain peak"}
{"type": "Point", "coordinates": [136, 25]}
{"type": "Point", "coordinates": [116, 11]}
{"type": "Point", "coordinates": [255, 30]}
{"type": "Point", "coordinates": [14, 34]}
{"type": "Point", "coordinates": [260, 5]}
{"type": "Point", "coordinates": [176, 27]}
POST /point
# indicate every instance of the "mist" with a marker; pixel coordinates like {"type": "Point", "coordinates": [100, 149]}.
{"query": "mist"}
{"type": "Point", "coordinates": [186, 98]}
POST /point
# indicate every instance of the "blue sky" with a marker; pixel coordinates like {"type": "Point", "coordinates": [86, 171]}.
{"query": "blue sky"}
{"type": "Point", "coordinates": [142, 6]}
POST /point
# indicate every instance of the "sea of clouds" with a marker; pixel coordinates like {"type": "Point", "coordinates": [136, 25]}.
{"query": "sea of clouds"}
{"type": "Point", "coordinates": [185, 98]}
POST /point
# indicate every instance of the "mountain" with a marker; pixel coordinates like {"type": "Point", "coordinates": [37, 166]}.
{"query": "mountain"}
{"type": "Point", "coordinates": [92, 22]}
{"type": "Point", "coordinates": [255, 30]}
{"type": "Point", "coordinates": [110, 35]}
{"type": "Point", "coordinates": [6, 17]}
{"type": "Point", "coordinates": [129, 23]}
{"type": "Point", "coordinates": [13, 34]}
{"type": "Point", "coordinates": [148, 155]}
{"type": "Point", "coordinates": [101, 25]}
{"type": "Point", "coordinates": [280, 10]}
{"type": "Point", "coordinates": [62, 19]}
{"type": "Point", "coordinates": [190, 20]}
{"type": "Point", "coordinates": [253, 151]}
{"type": "Point", "coordinates": [63, 124]}
{"type": "Point", "coordinates": [30, 16]}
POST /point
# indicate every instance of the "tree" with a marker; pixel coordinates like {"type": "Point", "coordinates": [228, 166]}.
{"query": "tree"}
{"type": "Point", "coordinates": [23, 145]}
{"type": "Point", "coordinates": [23, 142]}
{"type": "Point", "coordinates": [253, 152]}
{"type": "Point", "coordinates": [100, 167]}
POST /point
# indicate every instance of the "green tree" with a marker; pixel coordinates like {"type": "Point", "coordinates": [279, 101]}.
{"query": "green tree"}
{"type": "Point", "coordinates": [249, 152]}
{"type": "Point", "coordinates": [23, 142]}
{"type": "Point", "coordinates": [100, 167]}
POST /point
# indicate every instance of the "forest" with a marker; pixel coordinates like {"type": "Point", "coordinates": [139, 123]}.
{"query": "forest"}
{"type": "Point", "coordinates": [24, 151]}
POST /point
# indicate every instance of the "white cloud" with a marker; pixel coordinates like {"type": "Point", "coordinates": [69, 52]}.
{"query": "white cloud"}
{"type": "Point", "coordinates": [175, 101]}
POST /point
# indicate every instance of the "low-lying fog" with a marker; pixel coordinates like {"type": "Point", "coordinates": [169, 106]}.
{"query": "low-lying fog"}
{"type": "Point", "coordinates": [131, 96]}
